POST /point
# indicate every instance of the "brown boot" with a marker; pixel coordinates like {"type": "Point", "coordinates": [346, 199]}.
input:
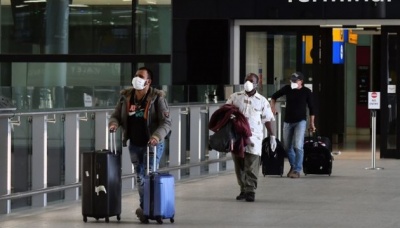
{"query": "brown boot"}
{"type": "Point", "coordinates": [290, 172]}
{"type": "Point", "coordinates": [295, 174]}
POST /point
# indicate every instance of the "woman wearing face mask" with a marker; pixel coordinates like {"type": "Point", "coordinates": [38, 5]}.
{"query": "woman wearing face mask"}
{"type": "Point", "coordinates": [257, 111]}
{"type": "Point", "coordinates": [298, 98]}
{"type": "Point", "coordinates": [143, 114]}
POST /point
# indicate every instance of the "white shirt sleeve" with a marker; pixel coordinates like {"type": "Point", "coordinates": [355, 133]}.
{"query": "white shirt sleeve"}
{"type": "Point", "coordinates": [267, 114]}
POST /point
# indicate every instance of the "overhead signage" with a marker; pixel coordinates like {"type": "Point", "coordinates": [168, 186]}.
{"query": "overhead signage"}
{"type": "Point", "coordinates": [374, 100]}
{"type": "Point", "coordinates": [337, 1]}
{"type": "Point", "coordinates": [307, 48]}
{"type": "Point", "coordinates": [338, 45]}
{"type": "Point", "coordinates": [352, 37]}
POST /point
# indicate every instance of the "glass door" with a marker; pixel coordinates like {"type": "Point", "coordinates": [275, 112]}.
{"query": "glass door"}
{"type": "Point", "coordinates": [390, 38]}
{"type": "Point", "coordinates": [274, 53]}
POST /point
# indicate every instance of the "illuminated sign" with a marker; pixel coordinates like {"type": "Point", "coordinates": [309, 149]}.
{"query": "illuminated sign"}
{"type": "Point", "coordinates": [337, 1]}
{"type": "Point", "coordinates": [352, 37]}
{"type": "Point", "coordinates": [338, 36]}
{"type": "Point", "coordinates": [307, 48]}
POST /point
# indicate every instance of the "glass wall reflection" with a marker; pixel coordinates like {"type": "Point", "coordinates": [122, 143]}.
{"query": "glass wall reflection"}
{"type": "Point", "coordinates": [86, 27]}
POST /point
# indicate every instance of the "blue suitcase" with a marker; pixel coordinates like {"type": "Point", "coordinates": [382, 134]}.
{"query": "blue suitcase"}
{"type": "Point", "coordinates": [159, 194]}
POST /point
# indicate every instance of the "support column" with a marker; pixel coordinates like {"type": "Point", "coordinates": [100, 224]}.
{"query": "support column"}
{"type": "Point", "coordinates": [5, 164]}
{"type": "Point", "coordinates": [175, 148]}
{"type": "Point", "coordinates": [71, 154]}
{"type": "Point", "coordinates": [39, 159]}
{"type": "Point", "coordinates": [57, 35]}
{"type": "Point", "coordinates": [213, 154]}
{"type": "Point", "coordinates": [195, 140]}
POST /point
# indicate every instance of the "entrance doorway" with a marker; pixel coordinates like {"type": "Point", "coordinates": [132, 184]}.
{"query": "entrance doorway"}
{"type": "Point", "coordinates": [338, 70]}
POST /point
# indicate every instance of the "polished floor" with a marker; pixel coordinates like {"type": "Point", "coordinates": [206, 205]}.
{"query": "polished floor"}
{"type": "Point", "coordinates": [351, 197]}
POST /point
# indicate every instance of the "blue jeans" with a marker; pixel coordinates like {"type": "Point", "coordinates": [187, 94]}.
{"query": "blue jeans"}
{"type": "Point", "coordinates": [139, 161]}
{"type": "Point", "coordinates": [293, 140]}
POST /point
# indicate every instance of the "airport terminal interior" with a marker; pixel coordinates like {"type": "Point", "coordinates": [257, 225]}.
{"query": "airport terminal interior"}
{"type": "Point", "coordinates": [63, 64]}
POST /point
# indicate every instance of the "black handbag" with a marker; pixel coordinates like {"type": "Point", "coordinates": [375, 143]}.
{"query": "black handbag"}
{"type": "Point", "coordinates": [224, 139]}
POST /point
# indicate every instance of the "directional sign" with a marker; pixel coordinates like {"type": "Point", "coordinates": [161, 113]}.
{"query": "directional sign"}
{"type": "Point", "coordinates": [374, 100]}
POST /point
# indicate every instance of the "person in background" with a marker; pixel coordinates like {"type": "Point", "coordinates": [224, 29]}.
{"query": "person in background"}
{"type": "Point", "coordinates": [298, 98]}
{"type": "Point", "coordinates": [257, 110]}
{"type": "Point", "coordinates": [143, 114]}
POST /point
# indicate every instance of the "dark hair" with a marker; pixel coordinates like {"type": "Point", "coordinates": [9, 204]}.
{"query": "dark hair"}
{"type": "Point", "coordinates": [149, 72]}
{"type": "Point", "coordinates": [253, 75]}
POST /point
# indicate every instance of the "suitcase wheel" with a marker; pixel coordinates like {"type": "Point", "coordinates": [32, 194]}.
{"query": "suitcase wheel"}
{"type": "Point", "coordinates": [107, 220]}
{"type": "Point", "coordinates": [85, 218]}
{"type": "Point", "coordinates": [159, 221]}
{"type": "Point", "coordinates": [172, 220]}
{"type": "Point", "coordinates": [118, 217]}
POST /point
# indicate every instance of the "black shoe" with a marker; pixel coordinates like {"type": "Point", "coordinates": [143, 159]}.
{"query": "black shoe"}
{"type": "Point", "coordinates": [140, 215]}
{"type": "Point", "coordinates": [241, 196]}
{"type": "Point", "coordinates": [250, 196]}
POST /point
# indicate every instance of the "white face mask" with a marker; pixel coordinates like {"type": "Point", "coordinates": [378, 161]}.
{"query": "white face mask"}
{"type": "Point", "coordinates": [294, 85]}
{"type": "Point", "coordinates": [248, 86]}
{"type": "Point", "coordinates": [138, 83]}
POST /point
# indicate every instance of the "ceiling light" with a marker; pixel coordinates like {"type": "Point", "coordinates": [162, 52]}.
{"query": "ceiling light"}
{"type": "Point", "coordinates": [34, 1]}
{"type": "Point", "coordinates": [78, 5]}
{"type": "Point", "coordinates": [153, 19]}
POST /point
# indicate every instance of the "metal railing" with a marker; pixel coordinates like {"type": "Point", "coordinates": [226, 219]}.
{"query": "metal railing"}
{"type": "Point", "coordinates": [52, 142]}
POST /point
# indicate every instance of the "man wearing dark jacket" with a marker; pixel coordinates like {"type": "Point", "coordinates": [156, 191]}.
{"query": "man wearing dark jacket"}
{"type": "Point", "coordinates": [298, 98]}
{"type": "Point", "coordinates": [143, 114]}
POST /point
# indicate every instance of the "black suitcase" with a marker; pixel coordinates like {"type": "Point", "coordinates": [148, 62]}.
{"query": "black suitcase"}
{"type": "Point", "coordinates": [101, 183]}
{"type": "Point", "coordinates": [318, 158]}
{"type": "Point", "coordinates": [272, 162]}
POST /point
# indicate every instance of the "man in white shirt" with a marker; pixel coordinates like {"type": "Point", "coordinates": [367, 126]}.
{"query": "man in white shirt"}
{"type": "Point", "coordinates": [257, 110]}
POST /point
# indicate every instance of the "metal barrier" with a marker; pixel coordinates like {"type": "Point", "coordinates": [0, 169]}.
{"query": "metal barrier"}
{"type": "Point", "coordinates": [186, 155]}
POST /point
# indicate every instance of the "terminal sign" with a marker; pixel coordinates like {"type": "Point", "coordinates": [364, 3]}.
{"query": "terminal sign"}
{"type": "Point", "coordinates": [374, 100]}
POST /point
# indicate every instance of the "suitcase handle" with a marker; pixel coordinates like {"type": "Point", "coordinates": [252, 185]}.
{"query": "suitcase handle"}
{"type": "Point", "coordinates": [113, 143]}
{"type": "Point", "coordinates": [148, 159]}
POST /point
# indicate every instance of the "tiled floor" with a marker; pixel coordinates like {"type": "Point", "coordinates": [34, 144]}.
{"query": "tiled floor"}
{"type": "Point", "coordinates": [351, 197]}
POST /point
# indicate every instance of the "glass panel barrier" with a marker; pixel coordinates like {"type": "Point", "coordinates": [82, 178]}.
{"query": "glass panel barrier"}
{"type": "Point", "coordinates": [21, 161]}
{"type": "Point", "coordinates": [192, 122]}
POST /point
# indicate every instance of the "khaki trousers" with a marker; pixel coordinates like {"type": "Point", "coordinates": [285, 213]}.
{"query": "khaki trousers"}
{"type": "Point", "coordinates": [247, 170]}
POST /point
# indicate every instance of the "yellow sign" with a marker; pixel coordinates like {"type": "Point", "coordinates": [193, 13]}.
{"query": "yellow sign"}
{"type": "Point", "coordinates": [308, 45]}
{"type": "Point", "coordinates": [353, 37]}
{"type": "Point", "coordinates": [338, 35]}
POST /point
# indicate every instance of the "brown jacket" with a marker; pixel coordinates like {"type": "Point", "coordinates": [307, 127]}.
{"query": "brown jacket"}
{"type": "Point", "coordinates": [156, 114]}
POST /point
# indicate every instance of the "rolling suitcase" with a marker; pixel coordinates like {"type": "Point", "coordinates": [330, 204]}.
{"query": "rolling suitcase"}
{"type": "Point", "coordinates": [159, 193]}
{"type": "Point", "coordinates": [101, 183]}
{"type": "Point", "coordinates": [317, 155]}
{"type": "Point", "coordinates": [272, 162]}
